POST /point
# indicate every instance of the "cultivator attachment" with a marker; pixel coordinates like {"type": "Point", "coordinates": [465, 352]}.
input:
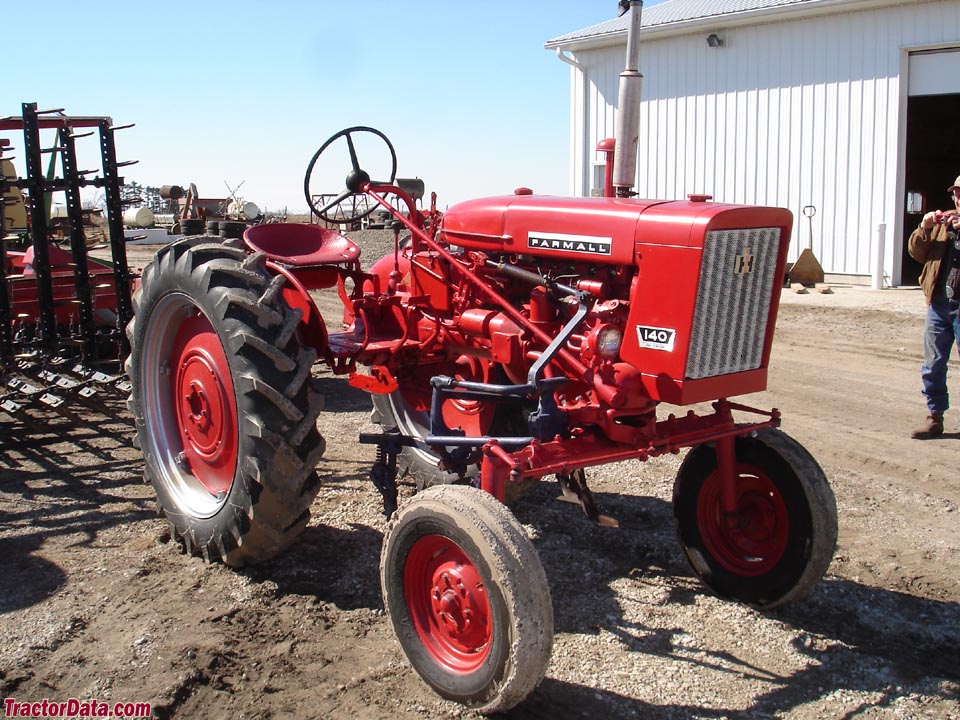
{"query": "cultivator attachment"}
{"type": "Point", "coordinates": [573, 489]}
{"type": "Point", "coordinates": [62, 312]}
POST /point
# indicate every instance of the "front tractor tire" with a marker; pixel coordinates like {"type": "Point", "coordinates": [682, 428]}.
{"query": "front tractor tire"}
{"type": "Point", "coordinates": [468, 597]}
{"type": "Point", "coordinates": [780, 540]}
{"type": "Point", "coordinates": [223, 400]}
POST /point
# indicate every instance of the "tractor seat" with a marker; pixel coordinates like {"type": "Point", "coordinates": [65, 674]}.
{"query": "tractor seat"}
{"type": "Point", "coordinates": [296, 245]}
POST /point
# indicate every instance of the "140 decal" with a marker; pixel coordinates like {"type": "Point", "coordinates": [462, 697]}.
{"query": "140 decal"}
{"type": "Point", "coordinates": [656, 338]}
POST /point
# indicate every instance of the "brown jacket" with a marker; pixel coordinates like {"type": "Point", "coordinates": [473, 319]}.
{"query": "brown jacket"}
{"type": "Point", "coordinates": [928, 247]}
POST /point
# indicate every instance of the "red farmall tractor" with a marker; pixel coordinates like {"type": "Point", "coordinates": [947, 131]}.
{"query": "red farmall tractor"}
{"type": "Point", "coordinates": [506, 340]}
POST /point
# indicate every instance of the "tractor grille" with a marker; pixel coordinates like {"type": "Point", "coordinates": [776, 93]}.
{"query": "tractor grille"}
{"type": "Point", "coordinates": [733, 301]}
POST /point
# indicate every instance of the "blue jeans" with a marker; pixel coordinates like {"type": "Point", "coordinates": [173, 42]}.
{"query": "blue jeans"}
{"type": "Point", "coordinates": [941, 331]}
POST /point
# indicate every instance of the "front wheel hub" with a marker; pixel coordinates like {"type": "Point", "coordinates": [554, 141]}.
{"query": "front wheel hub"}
{"type": "Point", "coordinates": [752, 539]}
{"type": "Point", "coordinates": [448, 603]}
{"type": "Point", "coordinates": [455, 606]}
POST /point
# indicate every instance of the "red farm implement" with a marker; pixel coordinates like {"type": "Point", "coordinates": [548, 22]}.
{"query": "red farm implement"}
{"type": "Point", "coordinates": [62, 312]}
{"type": "Point", "coordinates": [504, 341]}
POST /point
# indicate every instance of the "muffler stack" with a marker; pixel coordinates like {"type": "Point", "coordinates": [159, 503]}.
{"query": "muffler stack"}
{"type": "Point", "coordinates": [628, 108]}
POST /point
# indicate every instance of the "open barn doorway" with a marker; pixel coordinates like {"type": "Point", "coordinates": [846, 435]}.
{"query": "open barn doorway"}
{"type": "Point", "coordinates": [932, 159]}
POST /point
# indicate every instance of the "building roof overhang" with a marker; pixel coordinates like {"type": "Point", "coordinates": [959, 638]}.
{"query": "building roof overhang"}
{"type": "Point", "coordinates": [683, 17]}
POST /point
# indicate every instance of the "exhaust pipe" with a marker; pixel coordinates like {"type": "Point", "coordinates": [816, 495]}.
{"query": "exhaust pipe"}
{"type": "Point", "coordinates": [628, 115]}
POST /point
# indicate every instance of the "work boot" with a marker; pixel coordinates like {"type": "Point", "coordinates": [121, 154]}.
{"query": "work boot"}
{"type": "Point", "coordinates": [931, 429]}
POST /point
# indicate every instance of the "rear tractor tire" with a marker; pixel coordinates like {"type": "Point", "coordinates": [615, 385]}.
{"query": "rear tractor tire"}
{"type": "Point", "coordinates": [780, 540]}
{"type": "Point", "coordinates": [468, 597]}
{"type": "Point", "coordinates": [223, 400]}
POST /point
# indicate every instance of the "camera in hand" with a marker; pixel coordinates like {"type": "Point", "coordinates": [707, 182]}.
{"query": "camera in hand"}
{"type": "Point", "coordinates": [952, 285]}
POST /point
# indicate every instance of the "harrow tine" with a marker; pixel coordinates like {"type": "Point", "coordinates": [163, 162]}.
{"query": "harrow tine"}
{"type": "Point", "coordinates": [51, 400]}
{"type": "Point", "coordinates": [10, 407]}
{"type": "Point", "coordinates": [18, 414]}
{"type": "Point", "coordinates": [59, 394]}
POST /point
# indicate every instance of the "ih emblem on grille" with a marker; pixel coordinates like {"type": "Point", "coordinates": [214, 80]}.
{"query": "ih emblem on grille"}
{"type": "Point", "coordinates": [743, 264]}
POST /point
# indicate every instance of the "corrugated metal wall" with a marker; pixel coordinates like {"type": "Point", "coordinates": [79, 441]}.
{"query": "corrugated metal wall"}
{"type": "Point", "coordinates": [792, 114]}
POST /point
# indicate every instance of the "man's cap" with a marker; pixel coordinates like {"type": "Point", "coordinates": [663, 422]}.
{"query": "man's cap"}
{"type": "Point", "coordinates": [955, 186]}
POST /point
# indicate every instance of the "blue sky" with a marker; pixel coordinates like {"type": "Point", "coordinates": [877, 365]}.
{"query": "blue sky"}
{"type": "Point", "coordinates": [231, 92]}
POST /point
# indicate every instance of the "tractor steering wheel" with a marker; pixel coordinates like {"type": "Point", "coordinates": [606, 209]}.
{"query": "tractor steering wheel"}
{"type": "Point", "coordinates": [345, 208]}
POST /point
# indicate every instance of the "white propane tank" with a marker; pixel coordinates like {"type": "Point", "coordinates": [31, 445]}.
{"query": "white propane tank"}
{"type": "Point", "coordinates": [141, 217]}
{"type": "Point", "coordinates": [244, 210]}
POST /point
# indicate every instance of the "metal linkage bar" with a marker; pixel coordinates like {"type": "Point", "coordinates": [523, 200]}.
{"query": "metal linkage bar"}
{"type": "Point", "coordinates": [54, 120]}
{"type": "Point", "coordinates": [78, 241]}
{"type": "Point", "coordinates": [38, 226]}
{"type": "Point", "coordinates": [6, 321]}
{"type": "Point", "coordinates": [111, 188]}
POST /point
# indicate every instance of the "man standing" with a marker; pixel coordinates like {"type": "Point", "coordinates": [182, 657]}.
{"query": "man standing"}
{"type": "Point", "coordinates": [936, 244]}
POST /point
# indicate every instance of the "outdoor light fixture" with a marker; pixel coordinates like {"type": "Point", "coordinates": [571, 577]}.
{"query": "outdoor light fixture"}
{"type": "Point", "coordinates": [714, 40]}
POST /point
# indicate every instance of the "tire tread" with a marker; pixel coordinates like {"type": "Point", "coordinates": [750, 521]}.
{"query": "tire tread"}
{"type": "Point", "coordinates": [270, 373]}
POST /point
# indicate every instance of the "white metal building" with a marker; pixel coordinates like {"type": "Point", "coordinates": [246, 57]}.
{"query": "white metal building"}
{"type": "Point", "coordinates": [845, 106]}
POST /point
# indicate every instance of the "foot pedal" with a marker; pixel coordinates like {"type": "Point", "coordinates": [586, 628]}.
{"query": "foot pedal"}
{"type": "Point", "coordinates": [573, 489]}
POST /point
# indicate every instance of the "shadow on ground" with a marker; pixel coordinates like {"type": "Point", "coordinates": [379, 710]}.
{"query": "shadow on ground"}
{"type": "Point", "coordinates": [881, 638]}
{"type": "Point", "coordinates": [62, 478]}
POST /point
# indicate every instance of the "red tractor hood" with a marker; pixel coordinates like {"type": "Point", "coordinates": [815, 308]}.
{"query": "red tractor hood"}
{"type": "Point", "coordinates": [587, 229]}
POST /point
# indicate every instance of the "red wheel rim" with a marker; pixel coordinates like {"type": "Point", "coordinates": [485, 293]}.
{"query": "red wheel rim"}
{"type": "Point", "coordinates": [752, 540]}
{"type": "Point", "coordinates": [474, 417]}
{"type": "Point", "coordinates": [205, 405]}
{"type": "Point", "coordinates": [471, 416]}
{"type": "Point", "coordinates": [448, 603]}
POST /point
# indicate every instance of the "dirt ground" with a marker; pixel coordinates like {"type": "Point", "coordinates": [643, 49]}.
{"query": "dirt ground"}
{"type": "Point", "coordinates": [97, 603]}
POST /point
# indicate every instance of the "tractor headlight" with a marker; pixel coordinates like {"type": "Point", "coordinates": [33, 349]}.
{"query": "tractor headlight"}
{"type": "Point", "coordinates": [606, 341]}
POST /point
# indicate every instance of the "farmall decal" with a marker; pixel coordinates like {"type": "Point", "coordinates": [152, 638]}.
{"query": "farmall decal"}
{"type": "Point", "coordinates": [656, 338]}
{"type": "Point", "coordinates": [587, 244]}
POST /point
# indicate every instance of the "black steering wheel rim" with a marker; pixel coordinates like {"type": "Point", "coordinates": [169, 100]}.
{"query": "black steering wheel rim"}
{"type": "Point", "coordinates": [355, 178]}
